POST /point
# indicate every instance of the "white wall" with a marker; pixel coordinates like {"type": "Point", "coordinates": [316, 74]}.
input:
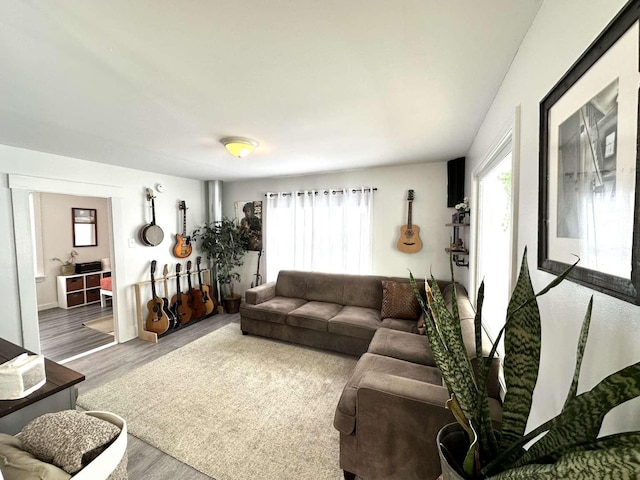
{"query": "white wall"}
{"type": "Point", "coordinates": [127, 188]}
{"type": "Point", "coordinates": [429, 180]}
{"type": "Point", "coordinates": [559, 35]}
{"type": "Point", "coordinates": [57, 239]}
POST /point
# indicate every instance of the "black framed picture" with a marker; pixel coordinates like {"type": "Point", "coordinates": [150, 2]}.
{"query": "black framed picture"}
{"type": "Point", "coordinates": [588, 204]}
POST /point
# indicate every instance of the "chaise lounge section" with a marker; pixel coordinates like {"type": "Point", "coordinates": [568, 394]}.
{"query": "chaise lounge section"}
{"type": "Point", "coordinates": [392, 407]}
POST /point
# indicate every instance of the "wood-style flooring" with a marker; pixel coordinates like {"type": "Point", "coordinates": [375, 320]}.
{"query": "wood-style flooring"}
{"type": "Point", "coordinates": [62, 334]}
{"type": "Point", "coordinates": [146, 462]}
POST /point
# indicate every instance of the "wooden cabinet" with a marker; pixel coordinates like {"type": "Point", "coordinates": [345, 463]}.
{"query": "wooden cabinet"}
{"type": "Point", "coordinates": [80, 289]}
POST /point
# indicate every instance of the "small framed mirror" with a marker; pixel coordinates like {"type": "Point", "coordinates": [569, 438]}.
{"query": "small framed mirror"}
{"type": "Point", "coordinates": [85, 227]}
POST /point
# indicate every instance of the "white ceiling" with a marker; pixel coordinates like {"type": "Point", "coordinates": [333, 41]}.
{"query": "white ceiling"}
{"type": "Point", "coordinates": [323, 85]}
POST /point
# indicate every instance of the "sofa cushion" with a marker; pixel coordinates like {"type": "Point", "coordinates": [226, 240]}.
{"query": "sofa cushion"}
{"type": "Point", "coordinates": [325, 287]}
{"type": "Point", "coordinates": [68, 439]}
{"type": "Point", "coordinates": [292, 283]}
{"type": "Point", "coordinates": [400, 324]}
{"type": "Point", "coordinates": [363, 291]}
{"type": "Point", "coordinates": [313, 315]}
{"type": "Point", "coordinates": [274, 310]}
{"type": "Point", "coordinates": [15, 463]}
{"type": "Point", "coordinates": [403, 346]}
{"type": "Point", "coordinates": [356, 322]}
{"type": "Point", "coordinates": [399, 301]}
{"type": "Point", "coordinates": [345, 416]}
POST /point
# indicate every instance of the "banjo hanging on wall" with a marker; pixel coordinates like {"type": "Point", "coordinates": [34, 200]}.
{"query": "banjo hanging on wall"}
{"type": "Point", "coordinates": [151, 234]}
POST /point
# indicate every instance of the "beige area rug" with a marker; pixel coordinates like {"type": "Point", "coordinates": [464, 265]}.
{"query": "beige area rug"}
{"type": "Point", "coordinates": [103, 324]}
{"type": "Point", "coordinates": [236, 407]}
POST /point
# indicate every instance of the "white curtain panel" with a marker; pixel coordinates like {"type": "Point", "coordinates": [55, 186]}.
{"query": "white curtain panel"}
{"type": "Point", "coordinates": [321, 231]}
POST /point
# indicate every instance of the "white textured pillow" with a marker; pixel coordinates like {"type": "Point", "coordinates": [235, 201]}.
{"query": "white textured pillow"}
{"type": "Point", "coordinates": [16, 464]}
{"type": "Point", "coordinates": [68, 439]}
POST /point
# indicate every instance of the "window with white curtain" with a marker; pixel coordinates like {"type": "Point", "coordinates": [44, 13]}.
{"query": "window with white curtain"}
{"type": "Point", "coordinates": [319, 230]}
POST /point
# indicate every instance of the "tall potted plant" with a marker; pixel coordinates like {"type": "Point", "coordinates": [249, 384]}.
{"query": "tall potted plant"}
{"type": "Point", "coordinates": [570, 447]}
{"type": "Point", "coordinates": [225, 244]}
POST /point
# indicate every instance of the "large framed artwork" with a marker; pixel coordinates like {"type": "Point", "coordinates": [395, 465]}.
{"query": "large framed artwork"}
{"type": "Point", "coordinates": [249, 214]}
{"type": "Point", "coordinates": [589, 195]}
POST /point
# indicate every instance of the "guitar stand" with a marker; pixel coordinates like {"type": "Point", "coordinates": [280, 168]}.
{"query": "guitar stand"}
{"type": "Point", "coordinates": [152, 336]}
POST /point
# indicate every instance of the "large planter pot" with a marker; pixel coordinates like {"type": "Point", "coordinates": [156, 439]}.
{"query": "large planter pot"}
{"type": "Point", "coordinates": [231, 304]}
{"type": "Point", "coordinates": [453, 443]}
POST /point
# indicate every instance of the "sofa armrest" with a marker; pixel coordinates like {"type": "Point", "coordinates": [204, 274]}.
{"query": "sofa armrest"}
{"type": "Point", "coordinates": [402, 389]}
{"type": "Point", "coordinates": [397, 422]}
{"type": "Point", "coordinates": [260, 294]}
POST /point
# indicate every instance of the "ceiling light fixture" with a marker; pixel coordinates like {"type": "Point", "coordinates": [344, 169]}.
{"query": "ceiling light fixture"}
{"type": "Point", "coordinates": [239, 146]}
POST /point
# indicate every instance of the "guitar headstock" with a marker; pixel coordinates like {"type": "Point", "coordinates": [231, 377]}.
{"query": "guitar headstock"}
{"type": "Point", "coordinates": [410, 196]}
{"type": "Point", "coordinates": [182, 205]}
{"type": "Point", "coordinates": [189, 266]}
{"type": "Point", "coordinates": [150, 195]}
{"type": "Point", "coordinates": [198, 261]}
{"type": "Point", "coordinates": [178, 268]}
{"type": "Point", "coordinates": [165, 271]}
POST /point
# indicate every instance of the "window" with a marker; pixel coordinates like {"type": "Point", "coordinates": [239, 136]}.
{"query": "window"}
{"type": "Point", "coordinates": [495, 233]}
{"type": "Point", "coordinates": [323, 231]}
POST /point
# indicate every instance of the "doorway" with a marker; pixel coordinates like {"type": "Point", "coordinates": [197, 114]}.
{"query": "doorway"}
{"type": "Point", "coordinates": [74, 319]}
{"type": "Point", "coordinates": [27, 328]}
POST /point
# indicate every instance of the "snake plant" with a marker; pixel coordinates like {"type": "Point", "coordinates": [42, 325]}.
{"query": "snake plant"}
{"type": "Point", "coordinates": [566, 446]}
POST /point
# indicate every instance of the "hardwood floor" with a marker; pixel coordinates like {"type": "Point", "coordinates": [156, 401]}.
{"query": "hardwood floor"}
{"type": "Point", "coordinates": [62, 334]}
{"type": "Point", "coordinates": [146, 462]}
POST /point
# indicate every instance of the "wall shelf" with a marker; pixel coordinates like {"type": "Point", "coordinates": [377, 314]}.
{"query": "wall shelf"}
{"type": "Point", "coordinates": [456, 248]}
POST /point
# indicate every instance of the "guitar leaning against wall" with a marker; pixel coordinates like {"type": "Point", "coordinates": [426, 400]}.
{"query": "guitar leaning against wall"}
{"type": "Point", "coordinates": [180, 301]}
{"type": "Point", "coordinates": [209, 304]}
{"type": "Point", "coordinates": [196, 302]}
{"type": "Point", "coordinates": [157, 319]}
{"type": "Point", "coordinates": [409, 240]}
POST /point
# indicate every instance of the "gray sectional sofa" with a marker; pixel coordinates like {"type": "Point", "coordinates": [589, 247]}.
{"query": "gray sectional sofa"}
{"type": "Point", "coordinates": [329, 311]}
{"type": "Point", "coordinates": [392, 407]}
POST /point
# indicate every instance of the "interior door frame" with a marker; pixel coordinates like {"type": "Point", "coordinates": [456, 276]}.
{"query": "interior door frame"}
{"type": "Point", "coordinates": [21, 187]}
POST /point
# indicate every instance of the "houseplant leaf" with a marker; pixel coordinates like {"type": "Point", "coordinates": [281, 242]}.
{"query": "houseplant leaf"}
{"type": "Point", "coordinates": [582, 342]}
{"type": "Point", "coordinates": [614, 463]}
{"type": "Point", "coordinates": [522, 356]}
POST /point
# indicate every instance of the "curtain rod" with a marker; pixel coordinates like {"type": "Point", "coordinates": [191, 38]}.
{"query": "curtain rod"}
{"type": "Point", "coordinates": [326, 192]}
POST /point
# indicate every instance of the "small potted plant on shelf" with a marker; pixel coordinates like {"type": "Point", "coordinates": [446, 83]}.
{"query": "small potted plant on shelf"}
{"type": "Point", "coordinates": [225, 244]}
{"type": "Point", "coordinates": [570, 446]}
{"type": "Point", "coordinates": [68, 267]}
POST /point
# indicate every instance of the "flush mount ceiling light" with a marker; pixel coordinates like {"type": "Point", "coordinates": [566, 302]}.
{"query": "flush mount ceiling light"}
{"type": "Point", "coordinates": [239, 146]}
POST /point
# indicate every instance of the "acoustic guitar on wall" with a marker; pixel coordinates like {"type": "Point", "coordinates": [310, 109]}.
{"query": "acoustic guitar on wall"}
{"type": "Point", "coordinates": [183, 248]}
{"type": "Point", "coordinates": [409, 240]}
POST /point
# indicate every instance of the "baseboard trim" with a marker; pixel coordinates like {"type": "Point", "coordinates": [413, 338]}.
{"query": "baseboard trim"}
{"type": "Point", "coordinates": [47, 306]}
